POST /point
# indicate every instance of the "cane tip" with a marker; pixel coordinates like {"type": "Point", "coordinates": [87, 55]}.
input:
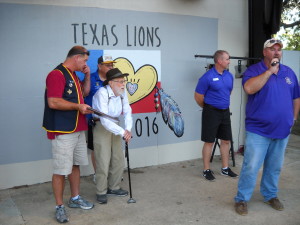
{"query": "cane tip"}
{"type": "Point", "coordinates": [131, 200]}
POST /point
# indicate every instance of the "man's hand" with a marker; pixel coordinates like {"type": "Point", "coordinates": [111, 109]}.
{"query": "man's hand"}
{"type": "Point", "coordinates": [86, 81]}
{"type": "Point", "coordinates": [274, 69]}
{"type": "Point", "coordinates": [84, 109]}
{"type": "Point", "coordinates": [199, 98]}
{"type": "Point", "coordinates": [86, 70]}
{"type": "Point", "coordinates": [127, 136]}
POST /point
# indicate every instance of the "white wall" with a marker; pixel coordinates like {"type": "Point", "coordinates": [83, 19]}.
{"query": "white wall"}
{"type": "Point", "coordinates": [232, 18]}
{"type": "Point", "coordinates": [292, 59]}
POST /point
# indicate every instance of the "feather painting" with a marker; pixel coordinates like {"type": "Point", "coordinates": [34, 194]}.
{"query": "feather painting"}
{"type": "Point", "coordinates": [171, 113]}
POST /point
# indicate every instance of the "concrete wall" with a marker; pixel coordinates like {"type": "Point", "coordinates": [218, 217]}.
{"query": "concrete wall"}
{"type": "Point", "coordinates": [36, 35]}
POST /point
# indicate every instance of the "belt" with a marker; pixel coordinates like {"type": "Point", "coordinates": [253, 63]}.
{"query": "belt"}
{"type": "Point", "coordinates": [214, 108]}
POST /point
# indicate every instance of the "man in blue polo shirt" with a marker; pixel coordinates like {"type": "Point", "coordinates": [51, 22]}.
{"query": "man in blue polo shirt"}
{"type": "Point", "coordinates": [213, 95]}
{"type": "Point", "coordinates": [105, 63]}
{"type": "Point", "coordinates": [272, 108]}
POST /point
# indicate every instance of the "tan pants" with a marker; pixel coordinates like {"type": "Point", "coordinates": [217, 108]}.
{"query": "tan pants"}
{"type": "Point", "coordinates": [109, 159]}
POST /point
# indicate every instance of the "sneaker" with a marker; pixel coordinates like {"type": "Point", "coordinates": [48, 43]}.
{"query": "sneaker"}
{"type": "Point", "coordinates": [61, 215]}
{"type": "Point", "coordinates": [101, 199]}
{"type": "Point", "coordinates": [119, 192]}
{"type": "Point", "coordinates": [208, 174]}
{"type": "Point", "coordinates": [228, 172]}
{"type": "Point", "coordinates": [275, 204]}
{"type": "Point", "coordinates": [241, 208]}
{"type": "Point", "coordinates": [80, 203]}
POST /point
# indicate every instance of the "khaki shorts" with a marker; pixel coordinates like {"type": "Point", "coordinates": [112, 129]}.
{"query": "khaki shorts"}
{"type": "Point", "coordinates": [69, 150]}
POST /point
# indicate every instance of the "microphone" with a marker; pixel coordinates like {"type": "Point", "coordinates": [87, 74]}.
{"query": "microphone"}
{"type": "Point", "coordinates": [274, 63]}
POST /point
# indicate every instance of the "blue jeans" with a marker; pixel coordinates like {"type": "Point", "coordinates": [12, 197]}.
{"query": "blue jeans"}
{"type": "Point", "coordinates": [261, 151]}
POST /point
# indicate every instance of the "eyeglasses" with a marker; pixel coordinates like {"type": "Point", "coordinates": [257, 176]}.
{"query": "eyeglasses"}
{"type": "Point", "coordinates": [269, 43]}
{"type": "Point", "coordinates": [274, 41]}
{"type": "Point", "coordinates": [83, 53]}
{"type": "Point", "coordinates": [79, 53]}
{"type": "Point", "coordinates": [120, 81]}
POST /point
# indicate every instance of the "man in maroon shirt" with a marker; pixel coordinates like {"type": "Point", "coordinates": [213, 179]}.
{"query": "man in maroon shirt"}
{"type": "Point", "coordinates": [65, 123]}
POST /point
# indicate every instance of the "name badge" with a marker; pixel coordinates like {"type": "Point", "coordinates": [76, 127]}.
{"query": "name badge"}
{"type": "Point", "coordinates": [215, 79]}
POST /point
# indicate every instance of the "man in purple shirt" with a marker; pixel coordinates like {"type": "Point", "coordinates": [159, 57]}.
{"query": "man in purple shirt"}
{"type": "Point", "coordinates": [272, 108]}
{"type": "Point", "coordinates": [213, 95]}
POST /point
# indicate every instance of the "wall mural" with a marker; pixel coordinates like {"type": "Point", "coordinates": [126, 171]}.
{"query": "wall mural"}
{"type": "Point", "coordinates": [158, 53]}
{"type": "Point", "coordinates": [143, 86]}
{"type": "Point", "coordinates": [140, 82]}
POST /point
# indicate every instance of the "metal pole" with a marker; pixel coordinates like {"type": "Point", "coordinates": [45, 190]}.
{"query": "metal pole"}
{"type": "Point", "coordinates": [231, 57]}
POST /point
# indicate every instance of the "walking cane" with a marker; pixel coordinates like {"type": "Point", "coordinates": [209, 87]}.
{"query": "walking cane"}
{"type": "Point", "coordinates": [130, 200]}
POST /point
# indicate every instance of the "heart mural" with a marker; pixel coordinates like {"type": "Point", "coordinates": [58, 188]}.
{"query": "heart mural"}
{"type": "Point", "coordinates": [140, 83]}
{"type": "Point", "coordinates": [131, 88]}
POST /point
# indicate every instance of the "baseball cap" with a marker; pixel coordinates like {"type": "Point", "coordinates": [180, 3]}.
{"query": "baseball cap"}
{"type": "Point", "coordinates": [105, 59]}
{"type": "Point", "coordinates": [270, 42]}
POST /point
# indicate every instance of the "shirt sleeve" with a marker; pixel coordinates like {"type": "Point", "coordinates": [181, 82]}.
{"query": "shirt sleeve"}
{"type": "Point", "coordinates": [232, 80]}
{"type": "Point", "coordinates": [249, 73]}
{"type": "Point", "coordinates": [202, 85]}
{"type": "Point", "coordinates": [127, 112]}
{"type": "Point", "coordinates": [100, 103]}
{"type": "Point", "coordinates": [55, 84]}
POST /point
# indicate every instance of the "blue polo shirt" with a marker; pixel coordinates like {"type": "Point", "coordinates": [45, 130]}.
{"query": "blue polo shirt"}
{"type": "Point", "coordinates": [216, 88]}
{"type": "Point", "coordinates": [270, 111]}
{"type": "Point", "coordinates": [96, 83]}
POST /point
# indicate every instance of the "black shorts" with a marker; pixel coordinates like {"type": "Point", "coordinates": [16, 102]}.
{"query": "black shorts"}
{"type": "Point", "coordinates": [90, 139]}
{"type": "Point", "coordinates": [215, 124]}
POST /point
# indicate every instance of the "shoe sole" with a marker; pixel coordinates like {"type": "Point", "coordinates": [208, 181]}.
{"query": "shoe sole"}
{"type": "Point", "coordinates": [280, 209]}
{"type": "Point", "coordinates": [117, 195]}
{"type": "Point", "coordinates": [102, 203]}
{"type": "Point", "coordinates": [65, 221]}
{"type": "Point", "coordinates": [241, 214]}
{"type": "Point", "coordinates": [209, 180]}
{"type": "Point", "coordinates": [81, 207]}
{"type": "Point", "coordinates": [228, 175]}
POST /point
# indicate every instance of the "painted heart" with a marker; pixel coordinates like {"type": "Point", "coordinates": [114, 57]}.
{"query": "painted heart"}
{"type": "Point", "coordinates": [140, 83]}
{"type": "Point", "coordinates": [131, 88]}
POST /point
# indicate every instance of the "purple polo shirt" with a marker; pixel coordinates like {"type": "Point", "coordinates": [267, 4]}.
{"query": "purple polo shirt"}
{"type": "Point", "coordinates": [270, 111]}
{"type": "Point", "coordinates": [216, 88]}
